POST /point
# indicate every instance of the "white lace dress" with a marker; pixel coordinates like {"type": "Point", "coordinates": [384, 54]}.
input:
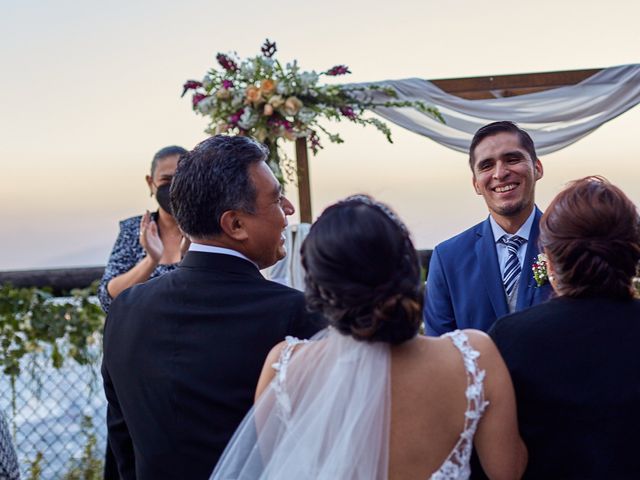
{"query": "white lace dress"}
{"type": "Point", "coordinates": [329, 417]}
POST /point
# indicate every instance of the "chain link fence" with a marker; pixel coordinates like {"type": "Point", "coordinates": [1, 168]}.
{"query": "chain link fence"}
{"type": "Point", "coordinates": [57, 417]}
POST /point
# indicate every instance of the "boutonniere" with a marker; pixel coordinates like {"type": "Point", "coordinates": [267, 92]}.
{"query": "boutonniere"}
{"type": "Point", "coordinates": [539, 269]}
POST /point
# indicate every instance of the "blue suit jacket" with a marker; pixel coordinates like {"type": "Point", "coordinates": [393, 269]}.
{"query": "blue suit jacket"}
{"type": "Point", "coordinates": [464, 287]}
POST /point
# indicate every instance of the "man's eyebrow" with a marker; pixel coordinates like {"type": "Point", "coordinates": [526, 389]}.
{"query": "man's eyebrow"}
{"type": "Point", "coordinates": [514, 153]}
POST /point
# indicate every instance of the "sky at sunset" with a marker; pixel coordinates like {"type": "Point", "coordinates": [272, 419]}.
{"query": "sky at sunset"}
{"type": "Point", "coordinates": [90, 90]}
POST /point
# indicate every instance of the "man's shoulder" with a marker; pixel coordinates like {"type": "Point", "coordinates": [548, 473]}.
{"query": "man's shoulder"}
{"type": "Point", "coordinates": [534, 317]}
{"type": "Point", "coordinates": [461, 240]}
{"type": "Point", "coordinates": [281, 291]}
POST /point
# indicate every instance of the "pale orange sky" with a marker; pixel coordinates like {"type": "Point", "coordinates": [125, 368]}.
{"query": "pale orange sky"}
{"type": "Point", "coordinates": [90, 90]}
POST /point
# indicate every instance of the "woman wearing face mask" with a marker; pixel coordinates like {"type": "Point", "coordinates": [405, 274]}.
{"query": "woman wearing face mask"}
{"type": "Point", "coordinates": [148, 245]}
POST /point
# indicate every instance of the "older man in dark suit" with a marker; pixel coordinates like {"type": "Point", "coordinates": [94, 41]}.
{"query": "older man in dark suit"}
{"type": "Point", "coordinates": [183, 352]}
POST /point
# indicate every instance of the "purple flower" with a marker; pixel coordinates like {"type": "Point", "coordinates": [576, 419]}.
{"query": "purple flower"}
{"type": "Point", "coordinates": [235, 118]}
{"type": "Point", "coordinates": [348, 112]}
{"type": "Point", "coordinates": [268, 48]}
{"type": "Point", "coordinates": [226, 62]}
{"type": "Point", "coordinates": [338, 70]}
{"type": "Point", "coordinates": [190, 85]}
{"type": "Point", "coordinates": [197, 98]}
{"type": "Point", "coordinates": [314, 142]}
{"type": "Point", "coordinates": [227, 84]}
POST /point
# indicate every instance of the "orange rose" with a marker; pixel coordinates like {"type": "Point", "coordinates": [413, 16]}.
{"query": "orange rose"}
{"type": "Point", "coordinates": [268, 110]}
{"type": "Point", "coordinates": [289, 135]}
{"type": "Point", "coordinates": [267, 86]}
{"type": "Point", "coordinates": [253, 95]}
{"type": "Point", "coordinates": [292, 105]}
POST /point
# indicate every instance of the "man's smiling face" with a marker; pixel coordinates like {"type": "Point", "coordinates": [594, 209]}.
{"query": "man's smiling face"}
{"type": "Point", "coordinates": [505, 175]}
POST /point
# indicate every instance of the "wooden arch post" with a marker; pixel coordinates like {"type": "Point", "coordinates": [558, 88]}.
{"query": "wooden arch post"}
{"type": "Point", "coordinates": [304, 188]}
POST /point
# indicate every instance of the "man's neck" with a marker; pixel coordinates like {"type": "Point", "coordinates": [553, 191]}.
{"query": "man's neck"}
{"type": "Point", "coordinates": [512, 224]}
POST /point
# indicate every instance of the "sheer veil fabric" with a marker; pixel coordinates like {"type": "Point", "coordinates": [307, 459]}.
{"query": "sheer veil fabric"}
{"type": "Point", "coordinates": [325, 416]}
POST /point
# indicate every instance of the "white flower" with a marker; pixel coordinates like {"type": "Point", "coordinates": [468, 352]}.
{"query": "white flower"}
{"type": "Point", "coordinates": [248, 119]}
{"type": "Point", "coordinates": [306, 115]}
{"type": "Point", "coordinates": [247, 69]}
{"type": "Point", "coordinates": [206, 105]}
{"type": "Point", "coordinates": [207, 82]}
{"type": "Point", "coordinates": [308, 79]}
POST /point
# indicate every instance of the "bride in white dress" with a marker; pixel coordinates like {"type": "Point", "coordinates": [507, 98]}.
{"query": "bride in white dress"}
{"type": "Point", "coordinates": [368, 398]}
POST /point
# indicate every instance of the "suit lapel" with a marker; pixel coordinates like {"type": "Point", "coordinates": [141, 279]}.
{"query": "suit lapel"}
{"type": "Point", "coordinates": [527, 284]}
{"type": "Point", "coordinates": [489, 268]}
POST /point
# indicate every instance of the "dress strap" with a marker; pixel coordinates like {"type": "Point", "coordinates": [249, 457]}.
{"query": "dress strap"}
{"type": "Point", "coordinates": [457, 463]}
{"type": "Point", "coordinates": [281, 375]}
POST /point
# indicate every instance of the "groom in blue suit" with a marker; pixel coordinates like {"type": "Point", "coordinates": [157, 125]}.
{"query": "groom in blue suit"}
{"type": "Point", "coordinates": [485, 272]}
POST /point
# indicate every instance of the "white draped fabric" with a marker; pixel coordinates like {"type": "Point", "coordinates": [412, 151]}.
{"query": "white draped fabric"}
{"type": "Point", "coordinates": [554, 118]}
{"type": "Point", "coordinates": [289, 271]}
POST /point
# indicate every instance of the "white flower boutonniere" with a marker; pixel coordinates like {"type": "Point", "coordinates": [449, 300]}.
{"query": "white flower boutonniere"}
{"type": "Point", "coordinates": [539, 269]}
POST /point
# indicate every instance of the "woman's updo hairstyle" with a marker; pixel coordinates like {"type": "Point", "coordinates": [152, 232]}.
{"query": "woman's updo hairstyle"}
{"type": "Point", "coordinates": [591, 234]}
{"type": "Point", "coordinates": [362, 271]}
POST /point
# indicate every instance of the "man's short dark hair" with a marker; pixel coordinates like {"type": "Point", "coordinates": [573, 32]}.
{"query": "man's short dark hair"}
{"type": "Point", "coordinates": [164, 153]}
{"type": "Point", "coordinates": [214, 178]}
{"type": "Point", "coordinates": [502, 127]}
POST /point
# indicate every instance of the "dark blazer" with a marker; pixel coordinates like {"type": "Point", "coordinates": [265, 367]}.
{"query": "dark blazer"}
{"type": "Point", "coordinates": [182, 356]}
{"type": "Point", "coordinates": [576, 371]}
{"type": "Point", "coordinates": [464, 287]}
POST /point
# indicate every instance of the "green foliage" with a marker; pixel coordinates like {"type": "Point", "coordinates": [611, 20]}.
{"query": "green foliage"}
{"type": "Point", "coordinates": [35, 467]}
{"type": "Point", "coordinates": [33, 321]}
{"type": "Point", "coordinates": [90, 465]}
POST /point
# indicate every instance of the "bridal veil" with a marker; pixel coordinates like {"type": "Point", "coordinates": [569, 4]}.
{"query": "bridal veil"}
{"type": "Point", "coordinates": [325, 415]}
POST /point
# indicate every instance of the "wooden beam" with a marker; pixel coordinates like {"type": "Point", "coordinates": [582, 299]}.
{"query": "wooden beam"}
{"type": "Point", "coordinates": [304, 187]}
{"type": "Point", "coordinates": [61, 280]}
{"type": "Point", "coordinates": [495, 86]}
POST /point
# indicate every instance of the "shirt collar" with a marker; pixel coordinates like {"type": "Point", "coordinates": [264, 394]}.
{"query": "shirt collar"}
{"type": "Point", "coordinates": [199, 247]}
{"type": "Point", "coordinates": [524, 231]}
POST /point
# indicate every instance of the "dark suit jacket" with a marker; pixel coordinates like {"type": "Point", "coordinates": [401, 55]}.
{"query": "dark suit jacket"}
{"type": "Point", "coordinates": [576, 371]}
{"type": "Point", "coordinates": [464, 287]}
{"type": "Point", "coordinates": [182, 356]}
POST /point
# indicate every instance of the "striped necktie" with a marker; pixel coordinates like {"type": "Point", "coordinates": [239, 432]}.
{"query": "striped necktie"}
{"type": "Point", "coordinates": [512, 269]}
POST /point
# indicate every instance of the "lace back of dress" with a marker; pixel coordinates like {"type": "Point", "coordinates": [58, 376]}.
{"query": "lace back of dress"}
{"type": "Point", "coordinates": [456, 466]}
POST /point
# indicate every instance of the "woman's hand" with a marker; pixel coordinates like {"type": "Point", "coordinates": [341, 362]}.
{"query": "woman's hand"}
{"type": "Point", "coordinates": [150, 238]}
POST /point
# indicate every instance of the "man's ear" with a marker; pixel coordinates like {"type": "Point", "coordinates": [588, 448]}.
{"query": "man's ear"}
{"type": "Point", "coordinates": [149, 181]}
{"type": "Point", "coordinates": [233, 226]}
{"type": "Point", "coordinates": [475, 185]}
{"type": "Point", "coordinates": [539, 171]}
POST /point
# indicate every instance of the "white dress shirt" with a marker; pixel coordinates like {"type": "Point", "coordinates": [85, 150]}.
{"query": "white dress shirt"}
{"type": "Point", "coordinates": [199, 247]}
{"type": "Point", "coordinates": [503, 254]}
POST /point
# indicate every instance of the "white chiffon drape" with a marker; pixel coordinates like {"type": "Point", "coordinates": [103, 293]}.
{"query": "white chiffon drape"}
{"type": "Point", "coordinates": [554, 118]}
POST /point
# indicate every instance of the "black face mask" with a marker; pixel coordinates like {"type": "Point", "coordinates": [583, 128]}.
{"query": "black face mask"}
{"type": "Point", "coordinates": [162, 196]}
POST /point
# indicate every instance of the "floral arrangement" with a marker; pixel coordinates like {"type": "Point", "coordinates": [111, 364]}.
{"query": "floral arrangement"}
{"type": "Point", "coordinates": [260, 97]}
{"type": "Point", "coordinates": [539, 268]}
